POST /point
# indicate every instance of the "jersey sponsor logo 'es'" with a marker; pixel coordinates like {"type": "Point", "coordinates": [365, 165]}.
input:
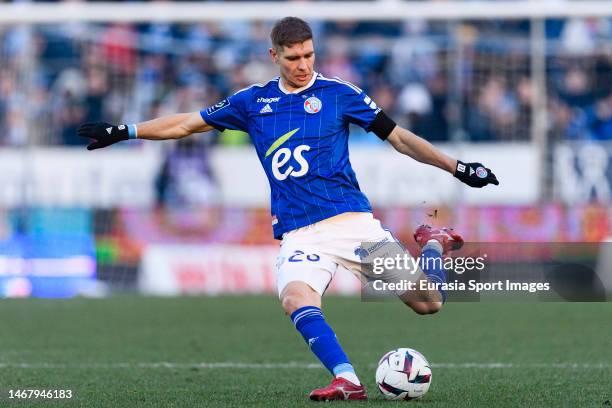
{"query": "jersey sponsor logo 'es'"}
{"type": "Point", "coordinates": [278, 142]}
{"type": "Point", "coordinates": [283, 155]}
{"type": "Point", "coordinates": [313, 105]}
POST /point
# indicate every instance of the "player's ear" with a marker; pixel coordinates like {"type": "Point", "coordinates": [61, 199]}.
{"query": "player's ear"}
{"type": "Point", "coordinates": [273, 55]}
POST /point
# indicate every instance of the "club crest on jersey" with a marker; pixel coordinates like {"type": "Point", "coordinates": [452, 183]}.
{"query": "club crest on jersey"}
{"type": "Point", "coordinates": [313, 104]}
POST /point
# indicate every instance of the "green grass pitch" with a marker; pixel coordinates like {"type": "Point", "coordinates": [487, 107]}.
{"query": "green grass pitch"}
{"type": "Point", "coordinates": [243, 351]}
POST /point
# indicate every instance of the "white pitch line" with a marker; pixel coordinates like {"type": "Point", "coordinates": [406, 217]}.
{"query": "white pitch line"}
{"type": "Point", "coordinates": [288, 365]}
{"type": "Point", "coordinates": [522, 365]}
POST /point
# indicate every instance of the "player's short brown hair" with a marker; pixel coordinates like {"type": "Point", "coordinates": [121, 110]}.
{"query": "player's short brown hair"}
{"type": "Point", "coordinates": [289, 31]}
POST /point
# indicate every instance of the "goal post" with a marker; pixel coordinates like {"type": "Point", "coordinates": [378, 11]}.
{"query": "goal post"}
{"type": "Point", "coordinates": [379, 10]}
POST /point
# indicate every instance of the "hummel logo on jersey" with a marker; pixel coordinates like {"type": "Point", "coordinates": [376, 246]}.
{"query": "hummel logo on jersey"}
{"type": "Point", "coordinates": [109, 130]}
{"type": "Point", "coordinates": [266, 109]}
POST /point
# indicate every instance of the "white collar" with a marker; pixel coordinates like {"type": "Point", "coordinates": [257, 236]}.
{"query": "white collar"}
{"type": "Point", "coordinates": [295, 91]}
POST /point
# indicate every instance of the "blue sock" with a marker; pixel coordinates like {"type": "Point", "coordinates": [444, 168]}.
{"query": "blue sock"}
{"type": "Point", "coordinates": [433, 265]}
{"type": "Point", "coordinates": [321, 339]}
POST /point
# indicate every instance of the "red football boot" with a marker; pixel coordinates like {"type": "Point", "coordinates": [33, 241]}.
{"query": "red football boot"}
{"type": "Point", "coordinates": [339, 389]}
{"type": "Point", "coordinates": [447, 237]}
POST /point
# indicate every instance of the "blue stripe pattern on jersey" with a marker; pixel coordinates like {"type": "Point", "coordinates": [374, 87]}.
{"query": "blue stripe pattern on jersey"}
{"type": "Point", "coordinates": [301, 139]}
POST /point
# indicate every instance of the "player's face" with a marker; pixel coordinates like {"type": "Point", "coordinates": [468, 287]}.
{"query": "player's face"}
{"type": "Point", "coordinates": [296, 64]}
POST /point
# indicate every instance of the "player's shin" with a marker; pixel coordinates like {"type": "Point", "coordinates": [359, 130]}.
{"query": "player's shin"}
{"type": "Point", "coordinates": [321, 339]}
{"type": "Point", "coordinates": [433, 264]}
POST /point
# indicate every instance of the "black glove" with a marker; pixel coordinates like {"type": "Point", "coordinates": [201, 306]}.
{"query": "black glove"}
{"type": "Point", "coordinates": [475, 174]}
{"type": "Point", "coordinates": [103, 133]}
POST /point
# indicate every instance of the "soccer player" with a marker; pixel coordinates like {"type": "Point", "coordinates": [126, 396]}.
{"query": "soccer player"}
{"type": "Point", "coordinates": [298, 123]}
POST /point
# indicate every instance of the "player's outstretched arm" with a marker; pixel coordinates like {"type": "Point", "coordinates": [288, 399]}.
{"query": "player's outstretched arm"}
{"type": "Point", "coordinates": [472, 174]}
{"type": "Point", "coordinates": [166, 127]}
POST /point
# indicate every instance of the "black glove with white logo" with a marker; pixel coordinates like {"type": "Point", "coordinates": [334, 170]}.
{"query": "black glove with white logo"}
{"type": "Point", "coordinates": [475, 174]}
{"type": "Point", "coordinates": [103, 133]}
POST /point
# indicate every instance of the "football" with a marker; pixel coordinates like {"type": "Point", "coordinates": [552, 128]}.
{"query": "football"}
{"type": "Point", "coordinates": [403, 374]}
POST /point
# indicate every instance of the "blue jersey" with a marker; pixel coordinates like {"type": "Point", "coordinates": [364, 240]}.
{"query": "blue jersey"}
{"type": "Point", "coordinates": [301, 138]}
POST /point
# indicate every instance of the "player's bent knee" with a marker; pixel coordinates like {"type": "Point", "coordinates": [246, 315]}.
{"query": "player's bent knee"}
{"type": "Point", "coordinates": [291, 303]}
{"type": "Point", "coordinates": [297, 295]}
{"type": "Point", "coordinates": [425, 308]}
{"type": "Point", "coordinates": [435, 307]}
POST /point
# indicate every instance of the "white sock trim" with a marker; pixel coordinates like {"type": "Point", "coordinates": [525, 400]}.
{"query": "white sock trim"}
{"type": "Point", "coordinates": [352, 377]}
{"type": "Point", "coordinates": [433, 244]}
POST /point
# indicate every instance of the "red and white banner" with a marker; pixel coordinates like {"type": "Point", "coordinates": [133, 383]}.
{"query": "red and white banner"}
{"type": "Point", "coordinates": [219, 269]}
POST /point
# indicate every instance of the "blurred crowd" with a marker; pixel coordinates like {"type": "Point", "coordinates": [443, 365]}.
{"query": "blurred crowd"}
{"type": "Point", "coordinates": [445, 81]}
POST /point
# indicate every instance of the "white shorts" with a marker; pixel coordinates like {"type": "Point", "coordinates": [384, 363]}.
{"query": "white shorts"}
{"type": "Point", "coordinates": [313, 254]}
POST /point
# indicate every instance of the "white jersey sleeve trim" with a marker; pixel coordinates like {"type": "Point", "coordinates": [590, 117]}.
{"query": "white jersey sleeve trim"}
{"type": "Point", "coordinates": [249, 87]}
{"type": "Point", "coordinates": [340, 81]}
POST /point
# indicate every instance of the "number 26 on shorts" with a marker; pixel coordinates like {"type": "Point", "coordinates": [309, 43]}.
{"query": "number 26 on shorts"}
{"type": "Point", "coordinates": [300, 256]}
